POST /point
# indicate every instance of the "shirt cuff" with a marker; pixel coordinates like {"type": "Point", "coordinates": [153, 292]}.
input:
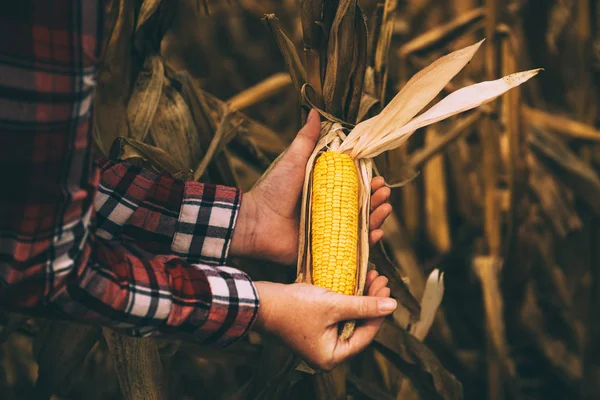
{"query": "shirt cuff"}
{"type": "Point", "coordinates": [233, 309]}
{"type": "Point", "coordinates": [206, 221]}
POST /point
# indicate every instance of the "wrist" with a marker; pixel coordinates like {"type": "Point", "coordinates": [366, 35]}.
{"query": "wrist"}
{"type": "Point", "coordinates": [244, 232]}
{"type": "Point", "coordinates": [268, 303]}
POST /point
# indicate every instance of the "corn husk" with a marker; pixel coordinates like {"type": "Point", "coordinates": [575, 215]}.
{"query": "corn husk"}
{"type": "Point", "coordinates": [389, 130]}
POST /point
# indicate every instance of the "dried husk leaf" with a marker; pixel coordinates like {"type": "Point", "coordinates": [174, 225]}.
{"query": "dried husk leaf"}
{"type": "Point", "coordinates": [416, 94]}
{"type": "Point", "coordinates": [114, 75]}
{"type": "Point", "coordinates": [173, 128]}
{"type": "Point", "coordinates": [462, 100]}
{"type": "Point", "coordinates": [124, 149]}
{"type": "Point", "coordinates": [353, 99]}
{"type": "Point", "coordinates": [340, 57]}
{"type": "Point", "coordinates": [288, 50]}
{"type": "Point", "coordinates": [382, 49]}
{"type": "Point", "coordinates": [432, 298]}
{"type": "Point", "coordinates": [145, 97]}
{"type": "Point", "coordinates": [311, 12]}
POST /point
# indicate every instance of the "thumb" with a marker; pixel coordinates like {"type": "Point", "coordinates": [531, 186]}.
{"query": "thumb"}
{"type": "Point", "coordinates": [306, 139]}
{"type": "Point", "coordinates": [364, 307]}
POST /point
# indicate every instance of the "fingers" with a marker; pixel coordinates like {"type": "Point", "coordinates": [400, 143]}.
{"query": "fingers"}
{"type": "Point", "coordinates": [380, 209]}
{"type": "Point", "coordinates": [378, 216]}
{"type": "Point", "coordinates": [378, 283]}
{"type": "Point", "coordinates": [371, 275]}
{"type": "Point", "coordinates": [380, 196]}
{"type": "Point", "coordinates": [306, 139]}
{"type": "Point", "coordinates": [363, 307]}
{"type": "Point", "coordinates": [363, 334]}
{"type": "Point", "coordinates": [377, 183]}
{"type": "Point", "coordinates": [375, 236]}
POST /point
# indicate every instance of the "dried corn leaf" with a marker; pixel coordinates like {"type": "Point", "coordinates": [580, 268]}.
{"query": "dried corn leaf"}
{"type": "Point", "coordinates": [138, 366]}
{"type": "Point", "coordinates": [416, 94]}
{"type": "Point", "coordinates": [367, 107]}
{"type": "Point", "coordinates": [436, 198]}
{"type": "Point", "coordinates": [382, 49]}
{"type": "Point", "coordinates": [311, 13]}
{"type": "Point", "coordinates": [341, 55]}
{"type": "Point", "coordinates": [59, 348]}
{"type": "Point", "coordinates": [261, 91]}
{"type": "Point", "coordinates": [114, 75]}
{"type": "Point", "coordinates": [462, 100]}
{"type": "Point", "coordinates": [288, 50]}
{"type": "Point", "coordinates": [570, 169]}
{"type": "Point", "coordinates": [556, 201]}
{"type": "Point", "coordinates": [432, 298]}
{"type": "Point", "coordinates": [173, 128]}
{"type": "Point", "coordinates": [442, 33]}
{"type": "Point", "coordinates": [417, 363]}
{"type": "Point", "coordinates": [147, 9]}
{"type": "Point", "coordinates": [353, 99]}
{"type": "Point", "coordinates": [124, 149]}
{"type": "Point", "coordinates": [487, 269]}
{"type": "Point", "coordinates": [145, 97]}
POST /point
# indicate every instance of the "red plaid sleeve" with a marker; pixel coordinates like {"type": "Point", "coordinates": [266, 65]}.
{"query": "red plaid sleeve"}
{"type": "Point", "coordinates": [52, 260]}
{"type": "Point", "coordinates": [192, 220]}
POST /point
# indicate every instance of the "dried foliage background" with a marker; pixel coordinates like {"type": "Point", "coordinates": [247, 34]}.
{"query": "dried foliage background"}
{"type": "Point", "coordinates": [505, 202]}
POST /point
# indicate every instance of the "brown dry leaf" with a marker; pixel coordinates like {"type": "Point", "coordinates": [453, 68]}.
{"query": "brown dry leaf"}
{"type": "Point", "coordinates": [311, 12]}
{"type": "Point", "coordinates": [145, 97]}
{"type": "Point", "coordinates": [432, 298]}
{"type": "Point", "coordinates": [436, 198]}
{"type": "Point", "coordinates": [556, 201]}
{"type": "Point", "coordinates": [114, 75]}
{"type": "Point", "coordinates": [340, 58]}
{"type": "Point", "coordinates": [353, 99]}
{"type": "Point", "coordinates": [382, 48]}
{"type": "Point", "coordinates": [147, 9]}
{"type": "Point", "coordinates": [570, 169]}
{"type": "Point", "coordinates": [462, 23]}
{"type": "Point", "coordinates": [124, 149]}
{"type": "Point", "coordinates": [399, 289]}
{"type": "Point", "coordinates": [369, 389]}
{"type": "Point", "coordinates": [487, 269]}
{"type": "Point", "coordinates": [367, 104]}
{"type": "Point", "coordinates": [288, 50]}
{"type": "Point", "coordinates": [59, 348]}
{"type": "Point", "coordinates": [138, 366]}
{"type": "Point", "coordinates": [417, 363]}
{"type": "Point", "coordinates": [174, 130]}
{"type": "Point", "coordinates": [261, 91]}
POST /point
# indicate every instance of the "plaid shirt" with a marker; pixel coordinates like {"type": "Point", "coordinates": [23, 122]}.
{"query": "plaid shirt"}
{"type": "Point", "coordinates": [79, 240]}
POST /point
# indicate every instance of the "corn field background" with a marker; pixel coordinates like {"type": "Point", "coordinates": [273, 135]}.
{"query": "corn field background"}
{"type": "Point", "coordinates": [504, 200]}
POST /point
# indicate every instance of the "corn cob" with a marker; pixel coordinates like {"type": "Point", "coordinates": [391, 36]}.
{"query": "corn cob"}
{"type": "Point", "coordinates": [334, 221]}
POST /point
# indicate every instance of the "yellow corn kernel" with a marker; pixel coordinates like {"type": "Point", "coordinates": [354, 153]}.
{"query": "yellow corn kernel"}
{"type": "Point", "coordinates": [334, 222]}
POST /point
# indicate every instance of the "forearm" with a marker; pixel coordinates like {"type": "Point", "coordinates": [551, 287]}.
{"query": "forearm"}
{"type": "Point", "coordinates": [163, 215]}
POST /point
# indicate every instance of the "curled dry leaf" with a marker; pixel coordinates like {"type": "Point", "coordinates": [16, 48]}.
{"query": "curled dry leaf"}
{"type": "Point", "coordinates": [432, 298]}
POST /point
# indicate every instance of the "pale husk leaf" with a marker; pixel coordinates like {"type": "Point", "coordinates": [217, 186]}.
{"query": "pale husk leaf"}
{"type": "Point", "coordinates": [432, 298]}
{"type": "Point", "coordinates": [455, 103]}
{"type": "Point", "coordinates": [416, 94]}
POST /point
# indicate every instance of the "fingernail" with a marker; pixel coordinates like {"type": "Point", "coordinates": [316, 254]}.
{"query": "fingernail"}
{"type": "Point", "coordinates": [386, 305]}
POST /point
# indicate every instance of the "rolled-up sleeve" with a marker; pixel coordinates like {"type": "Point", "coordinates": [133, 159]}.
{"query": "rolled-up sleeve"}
{"type": "Point", "coordinates": [75, 249]}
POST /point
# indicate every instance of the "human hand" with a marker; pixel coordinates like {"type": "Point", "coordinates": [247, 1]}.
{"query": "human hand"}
{"type": "Point", "coordinates": [306, 318]}
{"type": "Point", "coordinates": [269, 217]}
